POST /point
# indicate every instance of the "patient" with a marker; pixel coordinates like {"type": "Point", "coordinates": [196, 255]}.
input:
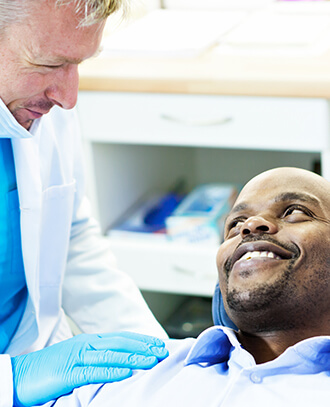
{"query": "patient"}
{"type": "Point", "coordinates": [274, 275]}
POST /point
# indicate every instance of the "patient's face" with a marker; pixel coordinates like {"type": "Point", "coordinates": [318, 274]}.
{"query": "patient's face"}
{"type": "Point", "coordinates": [276, 255]}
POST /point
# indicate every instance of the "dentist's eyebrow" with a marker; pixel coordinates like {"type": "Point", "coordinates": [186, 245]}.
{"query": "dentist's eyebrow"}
{"type": "Point", "coordinates": [63, 59]}
{"type": "Point", "coordinates": [295, 196]}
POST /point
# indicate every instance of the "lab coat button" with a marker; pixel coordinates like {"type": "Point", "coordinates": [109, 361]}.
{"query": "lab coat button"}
{"type": "Point", "coordinates": [255, 378]}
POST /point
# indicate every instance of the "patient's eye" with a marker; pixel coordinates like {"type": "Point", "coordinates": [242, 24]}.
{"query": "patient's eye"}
{"type": "Point", "coordinates": [233, 227]}
{"type": "Point", "coordinates": [297, 213]}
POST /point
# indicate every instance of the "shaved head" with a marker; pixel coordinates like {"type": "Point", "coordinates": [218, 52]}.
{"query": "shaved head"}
{"type": "Point", "coordinates": [274, 265]}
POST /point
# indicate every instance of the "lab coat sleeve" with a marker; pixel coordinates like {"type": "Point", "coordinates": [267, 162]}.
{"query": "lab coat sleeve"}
{"type": "Point", "coordinates": [6, 381]}
{"type": "Point", "coordinates": [96, 295]}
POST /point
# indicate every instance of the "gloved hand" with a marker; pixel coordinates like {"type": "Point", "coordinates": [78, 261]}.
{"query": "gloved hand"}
{"type": "Point", "coordinates": [54, 371]}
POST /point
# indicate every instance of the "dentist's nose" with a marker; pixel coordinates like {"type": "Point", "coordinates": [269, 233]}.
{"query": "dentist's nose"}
{"type": "Point", "coordinates": [64, 91]}
{"type": "Point", "coordinates": [258, 225]}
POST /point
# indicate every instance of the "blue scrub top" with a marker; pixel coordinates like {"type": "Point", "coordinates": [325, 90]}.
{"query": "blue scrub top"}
{"type": "Point", "coordinates": [13, 290]}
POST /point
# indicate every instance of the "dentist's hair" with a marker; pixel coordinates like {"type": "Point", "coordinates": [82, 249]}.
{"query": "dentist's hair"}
{"type": "Point", "coordinates": [94, 11]}
{"type": "Point", "coordinates": [91, 11]}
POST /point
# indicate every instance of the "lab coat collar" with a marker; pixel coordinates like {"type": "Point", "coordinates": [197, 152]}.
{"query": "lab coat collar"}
{"type": "Point", "coordinates": [27, 166]}
{"type": "Point", "coordinates": [9, 127]}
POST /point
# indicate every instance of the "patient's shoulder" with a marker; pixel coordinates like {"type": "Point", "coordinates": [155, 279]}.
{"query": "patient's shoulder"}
{"type": "Point", "coordinates": [182, 346]}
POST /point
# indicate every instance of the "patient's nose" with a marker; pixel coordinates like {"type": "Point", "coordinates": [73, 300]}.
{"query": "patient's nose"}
{"type": "Point", "coordinates": [258, 225]}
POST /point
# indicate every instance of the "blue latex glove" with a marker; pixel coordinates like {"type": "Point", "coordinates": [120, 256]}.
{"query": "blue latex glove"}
{"type": "Point", "coordinates": [54, 371]}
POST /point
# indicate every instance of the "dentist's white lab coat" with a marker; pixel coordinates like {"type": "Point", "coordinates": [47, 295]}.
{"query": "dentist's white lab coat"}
{"type": "Point", "coordinates": [68, 265]}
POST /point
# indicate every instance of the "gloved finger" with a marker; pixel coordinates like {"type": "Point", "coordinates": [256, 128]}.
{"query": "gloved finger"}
{"type": "Point", "coordinates": [120, 344]}
{"type": "Point", "coordinates": [108, 358]}
{"type": "Point", "coordinates": [135, 336]}
{"type": "Point", "coordinates": [94, 375]}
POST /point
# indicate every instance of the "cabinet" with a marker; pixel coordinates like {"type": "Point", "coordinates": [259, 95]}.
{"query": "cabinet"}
{"type": "Point", "coordinates": [139, 141]}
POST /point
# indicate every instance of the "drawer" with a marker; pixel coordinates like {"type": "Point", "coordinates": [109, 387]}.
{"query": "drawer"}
{"type": "Point", "coordinates": [265, 123]}
{"type": "Point", "coordinates": [168, 267]}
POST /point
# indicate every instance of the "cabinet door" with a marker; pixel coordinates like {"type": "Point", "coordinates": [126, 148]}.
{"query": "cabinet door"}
{"type": "Point", "coordinates": [168, 267]}
{"type": "Point", "coordinates": [204, 120]}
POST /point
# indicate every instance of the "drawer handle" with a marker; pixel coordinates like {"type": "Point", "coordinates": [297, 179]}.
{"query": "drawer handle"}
{"type": "Point", "coordinates": [192, 273]}
{"type": "Point", "coordinates": [192, 122]}
{"type": "Point", "coordinates": [181, 270]}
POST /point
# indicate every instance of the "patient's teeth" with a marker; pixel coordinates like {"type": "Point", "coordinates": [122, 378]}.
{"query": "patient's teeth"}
{"type": "Point", "coordinates": [246, 256]}
{"type": "Point", "coordinates": [254, 254]}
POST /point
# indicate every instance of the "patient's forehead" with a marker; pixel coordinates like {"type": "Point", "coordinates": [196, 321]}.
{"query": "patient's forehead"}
{"type": "Point", "coordinates": [264, 187]}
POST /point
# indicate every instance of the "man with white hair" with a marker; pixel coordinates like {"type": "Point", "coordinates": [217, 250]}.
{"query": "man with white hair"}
{"type": "Point", "coordinates": [52, 257]}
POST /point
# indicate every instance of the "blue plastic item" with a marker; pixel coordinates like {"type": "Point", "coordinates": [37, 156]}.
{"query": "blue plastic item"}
{"type": "Point", "coordinates": [157, 215]}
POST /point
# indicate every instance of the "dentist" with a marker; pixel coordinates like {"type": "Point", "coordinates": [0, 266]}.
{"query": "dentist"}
{"type": "Point", "coordinates": [53, 259]}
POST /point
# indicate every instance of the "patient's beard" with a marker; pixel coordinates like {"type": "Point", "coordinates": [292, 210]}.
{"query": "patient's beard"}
{"type": "Point", "coordinates": [257, 307]}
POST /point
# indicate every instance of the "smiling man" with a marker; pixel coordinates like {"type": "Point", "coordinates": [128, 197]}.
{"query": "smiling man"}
{"type": "Point", "coordinates": [274, 266]}
{"type": "Point", "coordinates": [41, 71]}
{"type": "Point", "coordinates": [274, 273]}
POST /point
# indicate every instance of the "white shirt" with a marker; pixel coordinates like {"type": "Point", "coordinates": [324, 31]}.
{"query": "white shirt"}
{"type": "Point", "coordinates": [215, 371]}
{"type": "Point", "coordinates": [68, 265]}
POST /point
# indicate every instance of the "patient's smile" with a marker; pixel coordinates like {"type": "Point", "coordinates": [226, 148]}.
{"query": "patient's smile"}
{"type": "Point", "coordinates": [258, 254]}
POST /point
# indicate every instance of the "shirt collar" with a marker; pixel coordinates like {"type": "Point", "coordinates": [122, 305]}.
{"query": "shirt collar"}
{"type": "Point", "coordinates": [213, 346]}
{"type": "Point", "coordinates": [314, 350]}
{"type": "Point", "coordinates": [216, 344]}
{"type": "Point", "coordinates": [9, 127]}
